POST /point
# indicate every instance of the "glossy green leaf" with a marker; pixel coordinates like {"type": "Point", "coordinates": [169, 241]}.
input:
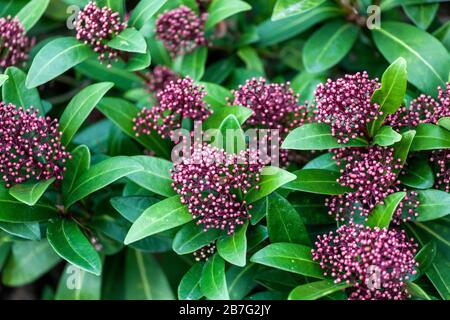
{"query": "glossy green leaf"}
{"type": "Point", "coordinates": [391, 94]}
{"type": "Point", "coordinates": [132, 207]}
{"type": "Point", "coordinates": [427, 59]}
{"type": "Point", "coordinates": [164, 215]}
{"type": "Point", "coordinates": [418, 174]}
{"type": "Point", "coordinates": [30, 14]}
{"type": "Point", "coordinates": [329, 45]}
{"type": "Point", "coordinates": [416, 291]}
{"type": "Point", "coordinates": [217, 97]}
{"type": "Point", "coordinates": [28, 231]}
{"type": "Point", "coordinates": [240, 281]}
{"type": "Point", "coordinates": [422, 15]}
{"type": "Point", "coordinates": [101, 175]}
{"type": "Point", "coordinates": [272, 178]}
{"type": "Point", "coordinates": [71, 244]}
{"type": "Point", "coordinates": [189, 287]}
{"type": "Point", "coordinates": [229, 136]}
{"type": "Point", "coordinates": [192, 64]}
{"type": "Point", "coordinates": [381, 216]}
{"type": "Point", "coordinates": [233, 248]}
{"type": "Point", "coordinates": [425, 257]}
{"type": "Point", "coordinates": [79, 109]}
{"type": "Point", "coordinates": [324, 161]}
{"type": "Point", "coordinates": [251, 59]}
{"type": "Point", "coordinates": [139, 61]}
{"type": "Point", "coordinates": [77, 284]}
{"type": "Point", "coordinates": [316, 136]}
{"type": "Point", "coordinates": [214, 121]}
{"type": "Point", "coordinates": [213, 283]}
{"type": "Point", "coordinates": [386, 136]}
{"type": "Point", "coordinates": [430, 137]}
{"type": "Point", "coordinates": [317, 181]}
{"type": "Point", "coordinates": [316, 290]}
{"type": "Point", "coordinates": [219, 10]}
{"type": "Point", "coordinates": [129, 40]}
{"type": "Point", "coordinates": [287, 8]}
{"type": "Point", "coordinates": [192, 237]}
{"type": "Point", "coordinates": [402, 148]}
{"type": "Point", "coordinates": [144, 11]}
{"type": "Point", "coordinates": [55, 58]}
{"type": "Point", "coordinates": [14, 90]}
{"type": "Point", "coordinates": [444, 123]}
{"type": "Point", "coordinates": [433, 204]}
{"type": "Point", "coordinates": [30, 193]}
{"type": "Point", "coordinates": [77, 166]}
{"type": "Point", "coordinates": [290, 257]}
{"type": "Point", "coordinates": [284, 223]}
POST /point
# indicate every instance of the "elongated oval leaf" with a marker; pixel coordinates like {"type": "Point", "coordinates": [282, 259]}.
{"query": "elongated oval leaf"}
{"type": "Point", "coordinates": [77, 166]}
{"type": "Point", "coordinates": [192, 64]}
{"type": "Point", "coordinates": [317, 181]}
{"type": "Point", "coordinates": [14, 91]}
{"type": "Point", "coordinates": [31, 13]}
{"type": "Point", "coordinates": [316, 290]}
{"type": "Point", "coordinates": [433, 204]}
{"type": "Point", "coordinates": [213, 283]}
{"type": "Point", "coordinates": [233, 248]}
{"type": "Point", "coordinates": [287, 8]}
{"type": "Point", "coordinates": [189, 287]}
{"type": "Point", "coordinates": [79, 109]}
{"type": "Point", "coordinates": [71, 244]}
{"type": "Point", "coordinates": [144, 11]}
{"type": "Point", "coordinates": [386, 136]}
{"type": "Point", "coordinates": [30, 193]}
{"type": "Point", "coordinates": [418, 174]}
{"type": "Point", "coordinates": [422, 15]}
{"type": "Point", "coordinates": [101, 175]}
{"type": "Point", "coordinates": [272, 178]}
{"type": "Point", "coordinates": [77, 284]}
{"type": "Point", "coordinates": [219, 10]}
{"type": "Point", "coordinates": [192, 237]}
{"type": "Point", "coordinates": [55, 58]}
{"type": "Point", "coordinates": [381, 216]}
{"type": "Point", "coordinates": [164, 215]}
{"type": "Point", "coordinates": [129, 40]}
{"type": "Point", "coordinates": [430, 137]}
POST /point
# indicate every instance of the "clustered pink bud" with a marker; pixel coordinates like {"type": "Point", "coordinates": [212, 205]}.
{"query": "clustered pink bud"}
{"type": "Point", "coordinates": [442, 159]}
{"type": "Point", "coordinates": [210, 182]}
{"type": "Point", "coordinates": [159, 78]}
{"type": "Point", "coordinates": [345, 104]}
{"type": "Point", "coordinates": [424, 109]}
{"type": "Point", "coordinates": [375, 262]}
{"type": "Point", "coordinates": [205, 252]}
{"type": "Point", "coordinates": [30, 146]}
{"type": "Point", "coordinates": [181, 30]}
{"type": "Point", "coordinates": [275, 106]}
{"type": "Point", "coordinates": [96, 27]}
{"type": "Point", "coordinates": [178, 100]}
{"type": "Point", "coordinates": [14, 43]}
{"type": "Point", "coordinates": [372, 174]}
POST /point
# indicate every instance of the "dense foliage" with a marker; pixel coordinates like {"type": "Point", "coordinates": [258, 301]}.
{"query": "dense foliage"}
{"type": "Point", "coordinates": [102, 198]}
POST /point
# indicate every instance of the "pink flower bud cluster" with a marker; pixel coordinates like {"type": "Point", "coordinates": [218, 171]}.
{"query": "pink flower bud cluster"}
{"type": "Point", "coordinates": [212, 184]}
{"type": "Point", "coordinates": [345, 105]}
{"type": "Point", "coordinates": [442, 159]}
{"type": "Point", "coordinates": [376, 262]}
{"type": "Point", "coordinates": [424, 109]}
{"type": "Point", "coordinates": [181, 30]}
{"type": "Point", "coordinates": [30, 146]}
{"type": "Point", "coordinates": [275, 106]}
{"type": "Point", "coordinates": [159, 78]}
{"type": "Point", "coordinates": [178, 100]}
{"type": "Point", "coordinates": [14, 43]}
{"type": "Point", "coordinates": [96, 27]}
{"type": "Point", "coordinates": [372, 174]}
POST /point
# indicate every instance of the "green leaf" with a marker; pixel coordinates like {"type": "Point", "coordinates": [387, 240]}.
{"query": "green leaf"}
{"type": "Point", "coordinates": [389, 4]}
{"type": "Point", "coordinates": [129, 40]}
{"type": "Point", "coordinates": [30, 193]}
{"type": "Point", "coordinates": [240, 281]}
{"type": "Point", "coordinates": [251, 59]}
{"type": "Point", "coordinates": [284, 223]}
{"type": "Point", "coordinates": [192, 64]}
{"type": "Point", "coordinates": [122, 112]}
{"type": "Point", "coordinates": [189, 287]}
{"type": "Point", "coordinates": [288, 8]}
{"type": "Point", "coordinates": [29, 231]}
{"type": "Point", "coordinates": [78, 165]}
{"type": "Point", "coordinates": [139, 61]}
{"type": "Point", "coordinates": [272, 178]}
{"type": "Point", "coordinates": [381, 216]}
{"type": "Point", "coordinates": [101, 175]}
{"type": "Point", "coordinates": [324, 161]}
{"type": "Point", "coordinates": [213, 283]}
{"type": "Point", "coordinates": [217, 96]}
{"type": "Point", "coordinates": [14, 91]}
{"type": "Point", "coordinates": [422, 15]}
{"type": "Point", "coordinates": [386, 136]}
{"type": "Point", "coordinates": [233, 248]}
{"type": "Point", "coordinates": [192, 237]}
{"type": "Point", "coordinates": [425, 258]}
{"type": "Point", "coordinates": [317, 181]}
{"type": "Point", "coordinates": [12, 210]}
{"type": "Point", "coordinates": [155, 176]}
{"type": "Point", "coordinates": [402, 148]}
{"type": "Point", "coordinates": [329, 45]}
{"type": "Point", "coordinates": [79, 109]}
{"type": "Point", "coordinates": [317, 136]}
{"type": "Point", "coordinates": [430, 137]}
{"type": "Point", "coordinates": [71, 244]}
{"type": "Point", "coordinates": [164, 215]}
{"type": "Point", "coordinates": [215, 120]}
{"type": "Point", "coordinates": [427, 59]}
{"type": "Point", "coordinates": [418, 174]}
{"type": "Point", "coordinates": [144, 11]}
{"type": "Point", "coordinates": [144, 278]}
{"type": "Point", "coordinates": [3, 78]}
{"type": "Point", "coordinates": [229, 135]}
{"type": "Point", "coordinates": [5, 248]}
{"type": "Point", "coordinates": [416, 291]}
{"type": "Point", "coordinates": [219, 10]}
{"type": "Point", "coordinates": [316, 290]}
{"type": "Point", "coordinates": [433, 204]}
{"type": "Point", "coordinates": [445, 123]}
{"type": "Point", "coordinates": [271, 32]}
{"type": "Point", "coordinates": [29, 261]}
{"type": "Point", "coordinates": [391, 94]}
{"type": "Point", "coordinates": [290, 257]}
{"type": "Point", "coordinates": [55, 58]}
{"type": "Point", "coordinates": [77, 284]}
{"type": "Point", "coordinates": [30, 14]}
{"type": "Point", "coordinates": [131, 207]}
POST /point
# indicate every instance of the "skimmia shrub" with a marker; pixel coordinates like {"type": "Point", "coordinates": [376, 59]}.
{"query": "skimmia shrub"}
{"type": "Point", "coordinates": [225, 149]}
